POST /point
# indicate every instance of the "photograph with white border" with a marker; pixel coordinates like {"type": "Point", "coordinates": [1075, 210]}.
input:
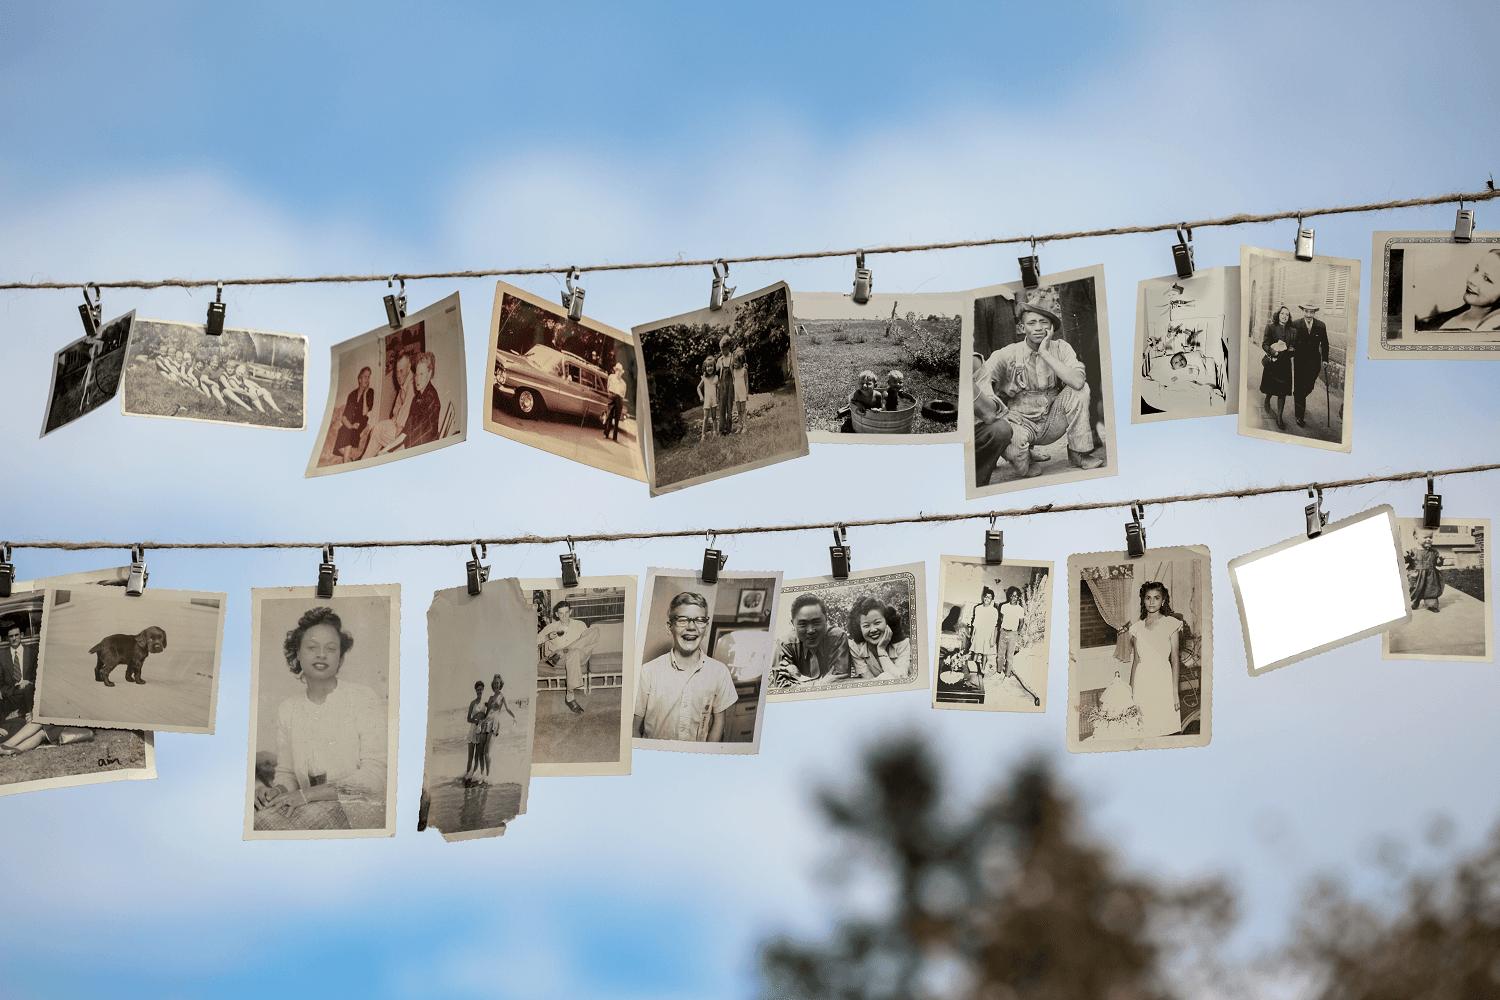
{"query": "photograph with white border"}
{"type": "Point", "coordinates": [393, 394]}
{"type": "Point", "coordinates": [1438, 298]}
{"type": "Point", "coordinates": [86, 373]}
{"type": "Point", "coordinates": [994, 628]}
{"type": "Point", "coordinates": [1448, 585]}
{"type": "Point", "coordinates": [705, 658]}
{"type": "Point", "coordinates": [1187, 354]}
{"type": "Point", "coordinates": [325, 691]}
{"type": "Point", "coordinates": [864, 634]}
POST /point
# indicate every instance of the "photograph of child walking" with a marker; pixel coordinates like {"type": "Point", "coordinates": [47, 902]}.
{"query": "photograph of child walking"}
{"type": "Point", "coordinates": [722, 391]}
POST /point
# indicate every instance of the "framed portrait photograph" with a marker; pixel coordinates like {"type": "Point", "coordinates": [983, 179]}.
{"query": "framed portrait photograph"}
{"type": "Point", "coordinates": [752, 603]}
{"type": "Point", "coordinates": [1438, 298]}
{"type": "Point", "coordinates": [1187, 354]}
{"type": "Point", "coordinates": [253, 378]}
{"type": "Point", "coordinates": [994, 624]}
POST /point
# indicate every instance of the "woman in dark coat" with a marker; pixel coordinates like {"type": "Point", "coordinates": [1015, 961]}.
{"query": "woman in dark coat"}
{"type": "Point", "coordinates": [1426, 580]}
{"type": "Point", "coordinates": [1276, 371]}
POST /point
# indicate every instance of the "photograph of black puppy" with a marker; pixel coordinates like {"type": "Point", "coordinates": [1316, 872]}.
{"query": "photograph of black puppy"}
{"type": "Point", "coordinates": [130, 650]}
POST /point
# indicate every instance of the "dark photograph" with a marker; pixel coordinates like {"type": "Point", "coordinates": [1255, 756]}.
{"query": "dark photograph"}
{"type": "Point", "coordinates": [247, 377]}
{"type": "Point", "coordinates": [86, 373]}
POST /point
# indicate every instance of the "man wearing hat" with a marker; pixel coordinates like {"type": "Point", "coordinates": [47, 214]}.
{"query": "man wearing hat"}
{"type": "Point", "coordinates": [1040, 387]}
{"type": "Point", "coordinates": [1311, 351]}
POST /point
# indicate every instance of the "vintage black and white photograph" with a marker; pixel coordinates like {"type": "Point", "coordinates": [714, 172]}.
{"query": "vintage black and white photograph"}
{"type": "Point", "coordinates": [1438, 298]}
{"type": "Point", "coordinates": [481, 686]}
{"type": "Point", "coordinates": [325, 684]}
{"type": "Point", "coordinates": [885, 372]}
{"type": "Point", "coordinates": [1296, 333]}
{"type": "Point", "coordinates": [564, 386]}
{"type": "Point", "coordinates": [115, 661]}
{"type": "Point", "coordinates": [704, 668]}
{"type": "Point", "coordinates": [1448, 584]}
{"type": "Point", "coordinates": [723, 391]}
{"type": "Point", "coordinates": [1187, 355]}
{"type": "Point", "coordinates": [1042, 411]}
{"type": "Point", "coordinates": [249, 377]}
{"type": "Point", "coordinates": [395, 393]}
{"type": "Point", "coordinates": [861, 635]}
{"type": "Point", "coordinates": [585, 666]}
{"type": "Point", "coordinates": [993, 631]}
{"type": "Point", "coordinates": [1140, 650]}
{"type": "Point", "coordinates": [86, 373]}
{"type": "Point", "coordinates": [36, 755]}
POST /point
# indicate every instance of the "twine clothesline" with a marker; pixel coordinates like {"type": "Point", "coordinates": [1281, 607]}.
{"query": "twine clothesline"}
{"type": "Point", "coordinates": [920, 518]}
{"type": "Point", "coordinates": [1238, 219]}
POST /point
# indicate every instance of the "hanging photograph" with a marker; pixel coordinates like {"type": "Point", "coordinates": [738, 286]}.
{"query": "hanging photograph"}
{"type": "Point", "coordinates": [395, 393]}
{"type": "Point", "coordinates": [115, 661]}
{"type": "Point", "coordinates": [249, 377]}
{"type": "Point", "coordinates": [723, 394]}
{"type": "Point", "coordinates": [886, 372]}
{"type": "Point", "coordinates": [1296, 333]}
{"type": "Point", "coordinates": [993, 630]}
{"type": "Point", "coordinates": [704, 667]}
{"type": "Point", "coordinates": [860, 635]}
{"type": "Point", "coordinates": [325, 685]}
{"type": "Point", "coordinates": [1042, 410]}
{"type": "Point", "coordinates": [1448, 585]}
{"type": "Point", "coordinates": [1187, 355]}
{"type": "Point", "coordinates": [1140, 650]}
{"type": "Point", "coordinates": [481, 679]}
{"type": "Point", "coordinates": [86, 373]}
{"type": "Point", "coordinates": [564, 386]}
{"type": "Point", "coordinates": [1438, 298]}
{"type": "Point", "coordinates": [584, 638]}
{"type": "Point", "coordinates": [74, 755]}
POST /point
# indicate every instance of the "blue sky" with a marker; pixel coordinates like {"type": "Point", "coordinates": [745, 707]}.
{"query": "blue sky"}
{"type": "Point", "coordinates": [165, 139]}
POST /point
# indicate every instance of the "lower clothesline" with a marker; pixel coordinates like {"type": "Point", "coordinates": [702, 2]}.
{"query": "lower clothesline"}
{"type": "Point", "coordinates": [918, 518]}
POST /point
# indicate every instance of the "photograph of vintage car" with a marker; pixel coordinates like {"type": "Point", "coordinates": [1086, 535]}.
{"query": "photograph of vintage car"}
{"type": "Point", "coordinates": [564, 386]}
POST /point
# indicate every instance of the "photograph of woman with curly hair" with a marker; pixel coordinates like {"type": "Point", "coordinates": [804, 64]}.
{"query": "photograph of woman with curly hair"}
{"type": "Point", "coordinates": [323, 713]}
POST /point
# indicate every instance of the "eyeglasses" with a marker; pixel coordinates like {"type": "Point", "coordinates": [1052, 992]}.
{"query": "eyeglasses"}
{"type": "Point", "coordinates": [680, 620]}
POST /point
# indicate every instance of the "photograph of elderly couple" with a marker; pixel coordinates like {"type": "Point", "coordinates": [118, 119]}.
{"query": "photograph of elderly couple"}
{"type": "Point", "coordinates": [86, 373]}
{"type": "Point", "coordinates": [861, 635]}
{"type": "Point", "coordinates": [706, 653]}
{"type": "Point", "coordinates": [1439, 298]}
{"type": "Point", "coordinates": [1448, 583]}
{"type": "Point", "coordinates": [992, 635]}
{"type": "Point", "coordinates": [1043, 403]}
{"type": "Point", "coordinates": [585, 669]}
{"type": "Point", "coordinates": [324, 692]}
{"type": "Point", "coordinates": [247, 377]}
{"type": "Point", "coordinates": [395, 393]}
{"type": "Point", "coordinates": [1187, 356]}
{"type": "Point", "coordinates": [723, 391]}
{"type": "Point", "coordinates": [1296, 318]}
{"type": "Point", "coordinates": [885, 372]}
{"type": "Point", "coordinates": [1140, 670]}
{"type": "Point", "coordinates": [563, 386]}
{"type": "Point", "coordinates": [73, 755]}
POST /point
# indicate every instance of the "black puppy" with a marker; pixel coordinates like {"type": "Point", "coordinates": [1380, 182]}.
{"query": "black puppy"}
{"type": "Point", "coordinates": [130, 650]}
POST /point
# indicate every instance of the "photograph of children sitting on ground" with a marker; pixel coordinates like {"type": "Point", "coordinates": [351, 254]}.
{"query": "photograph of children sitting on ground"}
{"type": "Point", "coordinates": [249, 377]}
{"type": "Point", "coordinates": [883, 372]}
{"type": "Point", "coordinates": [722, 390]}
{"type": "Point", "coordinates": [581, 674]}
{"type": "Point", "coordinates": [992, 640]}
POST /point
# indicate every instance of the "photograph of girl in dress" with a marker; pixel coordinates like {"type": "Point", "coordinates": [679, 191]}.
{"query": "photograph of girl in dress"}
{"type": "Point", "coordinates": [323, 713]}
{"type": "Point", "coordinates": [1141, 655]}
{"type": "Point", "coordinates": [1447, 584]}
{"type": "Point", "coordinates": [992, 636]}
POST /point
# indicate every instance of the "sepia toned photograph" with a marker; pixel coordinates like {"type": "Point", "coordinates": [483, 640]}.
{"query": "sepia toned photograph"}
{"type": "Point", "coordinates": [325, 684]}
{"type": "Point", "coordinates": [885, 372]}
{"type": "Point", "coordinates": [565, 386]}
{"type": "Point", "coordinates": [481, 682]}
{"type": "Point", "coordinates": [585, 672]}
{"type": "Point", "coordinates": [1042, 409]}
{"type": "Point", "coordinates": [861, 635]}
{"type": "Point", "coordinates": [704, 666]}
{"type": "Point", "coordinates": [86, 373]}
{"type": "Point", "coordinates": [1438, 298]}
{"type": "Point", "coordinates": [36, 755]}
{"type": "Point", "coordinates": [253, 378]}
{"type": "Point", "coordinates": [1140, 650]}
{"type": "Point", "coordinates": [1448, 584]}
{"type": "Point", "coordinates": [1296, 333]}
{"type": "Point", "coordinates": [723, 393]}
{"type": "Point", "coordinates": [394, 394]}
{"type": "Point", "coordinates": [993, 631]}
{"type": "Point", "coordinates": [115, 661]}
{"type": "Point", "coordinates": [1187, 356]}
